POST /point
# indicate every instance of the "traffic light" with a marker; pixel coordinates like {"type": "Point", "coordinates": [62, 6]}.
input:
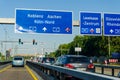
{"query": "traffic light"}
{"type": "Point", "coordinates": [20, 42]}
{"type": "Point", "coordinates": [34, 43]}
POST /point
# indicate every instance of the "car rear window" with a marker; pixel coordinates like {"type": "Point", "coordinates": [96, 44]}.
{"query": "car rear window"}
{"type": "Point", "coordinates": [78, 59]}
{"type": "Point", "coordinates": [17, 58]}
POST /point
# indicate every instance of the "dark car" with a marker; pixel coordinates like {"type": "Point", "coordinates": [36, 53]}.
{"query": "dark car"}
{"type": "Point", "coordinates": [46, 60]}
{"type": "Point", "coordinates": [78, 62]}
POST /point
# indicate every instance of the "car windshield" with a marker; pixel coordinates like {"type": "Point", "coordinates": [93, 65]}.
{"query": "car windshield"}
{"type": "Point", "coordinates": [78, 59]}
{"type": "Point", "coordinates": [17, 58]}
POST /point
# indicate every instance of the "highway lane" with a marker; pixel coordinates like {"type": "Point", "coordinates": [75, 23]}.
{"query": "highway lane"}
{"type": "Point", "coordinates": [25, 73]}
{"type": "Point", "coordinates": [17, 73]}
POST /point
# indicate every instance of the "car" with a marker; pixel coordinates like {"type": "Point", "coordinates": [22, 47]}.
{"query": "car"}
{"type": "Point", "coordinates": [78, 62]}
{"type": "Point", "coordinates": [18, 61]}
{"type": "Point", "coordinates": [46, 60]}
{"type": "Point", "coordinates": [119, 74]}
{"type": "Point", "coordinates": [35, 59]}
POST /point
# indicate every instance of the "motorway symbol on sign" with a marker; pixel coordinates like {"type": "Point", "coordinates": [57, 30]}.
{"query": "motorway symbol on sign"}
{"type": "Point", "coordinates": [84, 30]}
{"type": "Point", "coordinates": [41, 21]}
{"type": "Point", "coordinates": [56, 29]}
{"type": "Point", "coordinates": [90, 23]}
{"type": "Point", "coordinates": [111, 24]}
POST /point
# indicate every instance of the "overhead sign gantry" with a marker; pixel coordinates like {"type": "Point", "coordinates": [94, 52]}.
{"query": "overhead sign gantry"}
{"type": "Point", "coordinates": [111, 24]}
{"type": "Point", "coordinates": [42, 21]}
{"type": "Point", "coordinates": [90, 23]}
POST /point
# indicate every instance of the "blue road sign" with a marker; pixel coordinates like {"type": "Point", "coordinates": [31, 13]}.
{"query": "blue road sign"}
{"type": "Point", "coordinates": [90, 23]}
{"type": "Point", "coordinates": [41, 21]}
{"type": "Point", "coordinates": [111, 24]}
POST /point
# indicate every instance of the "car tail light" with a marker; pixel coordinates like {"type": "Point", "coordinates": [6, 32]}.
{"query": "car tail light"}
{"type": "Point", "coordinates": [69, 66]}
{"type": "Point", "coordinates": [91, 66]}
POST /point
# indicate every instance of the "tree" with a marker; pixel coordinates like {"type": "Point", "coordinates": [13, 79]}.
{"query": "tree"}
{"type": "Point", "coordinates": [0, 54]}
{"type": "Point", "coordinates": [115, 44]}
{"type": "Point", "coordinates": [91, 46]}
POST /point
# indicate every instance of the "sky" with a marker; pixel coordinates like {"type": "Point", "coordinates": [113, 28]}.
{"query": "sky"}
{"type": "Point", "coordinates": [47, 42]}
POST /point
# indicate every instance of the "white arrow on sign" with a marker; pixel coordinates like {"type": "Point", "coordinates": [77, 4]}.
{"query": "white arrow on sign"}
{"type": "Point", "coordinates": [44, 29]}
{"type": "Point", "coordinates": [111, 31]}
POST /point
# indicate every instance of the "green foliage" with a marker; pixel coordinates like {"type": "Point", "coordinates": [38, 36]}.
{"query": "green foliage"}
{"type": "Point", "coordinates": [95, 46]}
{"type": "Point", "coordinates": [2, 58]}
{"type": "Point", "coordinates": [0, 54]}
{"type": "Point", "coordinates": [52, 54]}
{"type": "Point", "coordinates": [91, 46]}
{"type": "Point", "coordinates": [115, 44]}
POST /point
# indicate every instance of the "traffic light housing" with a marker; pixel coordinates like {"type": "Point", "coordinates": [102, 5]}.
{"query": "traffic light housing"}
{"type": "Point", "coordinates": [34, 42]}
{"type": "Point", "coordinates": [20, 42]}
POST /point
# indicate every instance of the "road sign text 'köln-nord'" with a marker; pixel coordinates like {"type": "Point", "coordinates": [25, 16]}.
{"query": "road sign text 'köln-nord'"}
{"type": "Point", "coordinates": [42, 21]}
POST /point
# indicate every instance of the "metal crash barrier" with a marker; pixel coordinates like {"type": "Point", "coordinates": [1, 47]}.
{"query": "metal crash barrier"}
{"type": "Point", "coordinates": [107, 69]}
{"type": "Point", "coordinates": [51, 72]}
{"type": "Point", "coordinates": [5, 62]}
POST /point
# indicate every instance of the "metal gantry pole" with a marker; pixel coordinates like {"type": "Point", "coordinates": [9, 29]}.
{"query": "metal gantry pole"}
{"type": "Point", "coordinates": [109, 45]}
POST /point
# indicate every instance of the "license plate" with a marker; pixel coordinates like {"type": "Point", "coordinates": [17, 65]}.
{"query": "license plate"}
{"type": "Point", "coordinates": [82, 69]}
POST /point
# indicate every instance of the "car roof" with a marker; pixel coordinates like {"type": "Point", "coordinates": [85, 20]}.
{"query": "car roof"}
{"type": "Point", "coordinates": [17, 57]}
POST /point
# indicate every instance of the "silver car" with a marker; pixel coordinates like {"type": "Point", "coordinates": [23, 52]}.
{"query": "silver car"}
{"type": "Point", "coordinates": [18, 61]}
{"type": "Point", "coordinates": [78, 62]}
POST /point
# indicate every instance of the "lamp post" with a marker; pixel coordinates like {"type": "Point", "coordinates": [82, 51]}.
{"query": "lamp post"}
{"type": "Point", "coordinates": [5, 40]}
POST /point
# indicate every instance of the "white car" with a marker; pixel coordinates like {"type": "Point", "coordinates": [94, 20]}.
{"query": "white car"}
{"type": "Point", "coordinates": [18, 61]}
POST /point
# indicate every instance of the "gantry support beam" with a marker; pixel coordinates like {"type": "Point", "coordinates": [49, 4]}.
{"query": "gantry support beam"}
{"type": "Point", "coordinates": [12, 21]}
{"type": "Point", "coordinates": [7, 21]}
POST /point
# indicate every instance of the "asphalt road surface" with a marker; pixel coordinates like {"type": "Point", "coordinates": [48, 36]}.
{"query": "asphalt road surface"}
{"type": "Point", "coordinates": [15, 73]}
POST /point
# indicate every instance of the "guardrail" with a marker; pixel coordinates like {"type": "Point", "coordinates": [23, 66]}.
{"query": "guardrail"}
{"type": "Point", "coordinates": [5, 62]}
{"type": "Point", "coordinates": [104, 68]}
{"type": "Point", "coordinates": [51, 72]}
